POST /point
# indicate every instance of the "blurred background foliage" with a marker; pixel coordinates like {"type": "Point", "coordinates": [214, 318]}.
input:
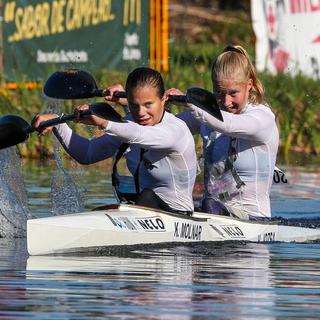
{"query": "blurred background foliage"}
{"type": "Point", "coordinates": [199, 30]}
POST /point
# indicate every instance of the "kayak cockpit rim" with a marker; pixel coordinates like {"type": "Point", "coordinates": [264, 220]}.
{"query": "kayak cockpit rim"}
{"type": "Point", "coordinates": [196, 216]}
{"type": "Point", "coordinates": [124, 207]}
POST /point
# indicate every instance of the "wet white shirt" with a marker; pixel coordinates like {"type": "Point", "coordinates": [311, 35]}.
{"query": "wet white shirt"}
{"type": "Point", "coordinates": [256, 143]}
{"type": "Point", "coordinates": [169, 163]}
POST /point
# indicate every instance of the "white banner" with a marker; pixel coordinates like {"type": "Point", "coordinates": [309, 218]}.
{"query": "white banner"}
{"type": "Point", "coordinates": [288, 36]}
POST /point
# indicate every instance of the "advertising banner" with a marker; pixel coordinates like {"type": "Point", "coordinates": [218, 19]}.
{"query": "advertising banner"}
{"type": "Point", "coordinates": [288, 36]}
{"type": "Point", "coordinates": [42, 36]}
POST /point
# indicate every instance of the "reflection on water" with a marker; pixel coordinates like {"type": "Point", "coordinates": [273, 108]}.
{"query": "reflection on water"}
{"type": "Point", "coordinates": [180, 280]}
{"type": "Point", "coordinates": [222, 281]}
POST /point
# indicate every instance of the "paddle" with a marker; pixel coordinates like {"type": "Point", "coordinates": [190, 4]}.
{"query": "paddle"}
{"type": "Point", "coordinates": [73, 84]}
{"type": "Point", "coordinates": [14, 129]}
{"type": "Point", "coordinates": [80, 84]}
{"type": "Point", "coordinates": [201, 98]}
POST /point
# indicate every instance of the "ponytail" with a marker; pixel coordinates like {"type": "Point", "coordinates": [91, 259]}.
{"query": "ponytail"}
{"type": "Point", "coordinates": [234, 62]}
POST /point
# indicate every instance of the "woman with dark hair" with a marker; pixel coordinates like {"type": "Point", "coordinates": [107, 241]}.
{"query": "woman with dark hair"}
{"type": "Point", "coordinates": [158, 147]}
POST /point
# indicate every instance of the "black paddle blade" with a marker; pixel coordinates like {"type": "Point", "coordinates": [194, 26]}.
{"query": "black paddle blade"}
{"type": "Point", "coordinates": [71, 84]}
{"type": "Point", "coordinates": [13, 130]}
{"type": "Point", "coordinates": [204, 100]}
{"type": "Point", "coordinates": [104, 110]}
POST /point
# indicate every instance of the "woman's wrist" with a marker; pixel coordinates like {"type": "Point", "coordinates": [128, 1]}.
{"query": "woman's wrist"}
{"type": "Point", "coordinates": [103, 125]}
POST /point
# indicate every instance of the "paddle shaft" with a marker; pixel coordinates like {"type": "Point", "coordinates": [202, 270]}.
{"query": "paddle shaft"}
{"type": "Point", "coordinates": [104, 92]}
{"type": "Point", "coordinates": [123, 94]}
{"type": "Point", "coordinates": [199, 99]}
{"type": "Point", "coordinates": [67, 117]}
{"type": "Point", "coordinates": [61, 119]}
{"type": "Point", "coordinates": [178, 98]}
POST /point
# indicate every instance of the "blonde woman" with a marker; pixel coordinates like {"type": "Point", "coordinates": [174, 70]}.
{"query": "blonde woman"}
{"type": "Point", "coordinates": [240, 152]}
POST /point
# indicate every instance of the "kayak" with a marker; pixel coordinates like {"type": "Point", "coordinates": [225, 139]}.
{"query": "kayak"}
{"type": "Point", "coordinates": [123, 225]}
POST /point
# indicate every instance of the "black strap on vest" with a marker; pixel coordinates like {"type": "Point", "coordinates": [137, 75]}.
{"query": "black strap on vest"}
{"type": "Point", "coordinates": [136, 174]}
{"type": "Point", "coordinates": [230, 160]}
{"type": "Point", "coordinates": [114, 177]}
{"type": "Point", "coordinates": [147, 197]}
{"type": "Point", "coordinates": [125, 197]}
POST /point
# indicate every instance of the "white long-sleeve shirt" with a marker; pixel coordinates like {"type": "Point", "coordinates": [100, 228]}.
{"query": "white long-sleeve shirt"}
{"type": "Point", "coordinates": [169, 165]}
{"type": "Point", "coordinates": [257, 140]}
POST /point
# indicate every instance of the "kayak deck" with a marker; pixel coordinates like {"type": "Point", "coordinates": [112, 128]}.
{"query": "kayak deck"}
{"type": "Point", "coordinates": [130, 225]}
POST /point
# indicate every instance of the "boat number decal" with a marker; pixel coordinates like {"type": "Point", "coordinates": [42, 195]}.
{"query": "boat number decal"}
{"type": "Point", "coordinates": [279, 177]}
{"type": "Point", "coordinates": [267, 237]}
{"type": "Point", "coordinates": [187, 231]}
{"type": "Point", "coordinates": [151, 224]}
{"type": "Point", "coordinates": [233, 231]}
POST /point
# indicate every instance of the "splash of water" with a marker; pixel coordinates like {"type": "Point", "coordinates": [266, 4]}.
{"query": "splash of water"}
{"type": "Point", "coordinates": [65, 195]}
{"type": "Point", "coordinates": [14, 210]}
{"type": "Point", "coordinates": [64, 192]}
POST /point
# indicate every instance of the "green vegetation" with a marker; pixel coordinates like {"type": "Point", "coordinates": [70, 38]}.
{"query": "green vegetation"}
{"type": "Point", "coordinates": [295, 101]}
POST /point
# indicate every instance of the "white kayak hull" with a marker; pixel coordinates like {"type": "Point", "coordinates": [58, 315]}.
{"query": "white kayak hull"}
{"type": "Point", "coordinates": [129, 225]}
